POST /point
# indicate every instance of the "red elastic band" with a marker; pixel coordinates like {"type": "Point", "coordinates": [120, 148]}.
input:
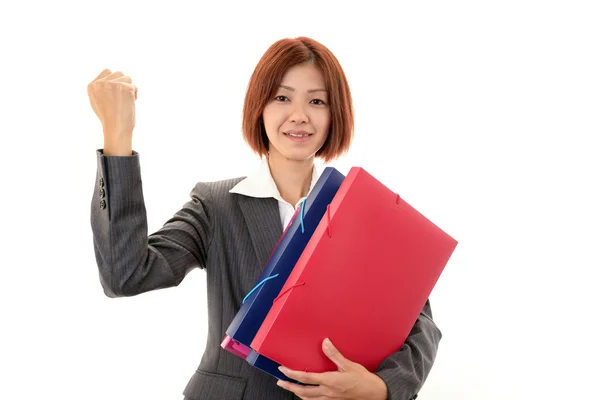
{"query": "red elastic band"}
{"type": "Point", "coordinates": [281, 294]}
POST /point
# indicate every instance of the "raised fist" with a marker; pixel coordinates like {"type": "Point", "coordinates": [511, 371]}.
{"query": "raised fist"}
{"type": "Point", "coordinates": [112, 96]}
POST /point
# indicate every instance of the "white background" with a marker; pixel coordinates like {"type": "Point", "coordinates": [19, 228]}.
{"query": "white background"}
{"type": "Point", "coordinates": [483, 115]}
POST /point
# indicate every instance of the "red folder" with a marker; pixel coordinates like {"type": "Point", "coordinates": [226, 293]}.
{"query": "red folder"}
{"type": "Point", "coordinates": [361, 281]}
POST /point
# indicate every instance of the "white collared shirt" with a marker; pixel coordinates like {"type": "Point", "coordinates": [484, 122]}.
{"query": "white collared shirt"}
{"type": "Point", "coordinates": [260, 184]}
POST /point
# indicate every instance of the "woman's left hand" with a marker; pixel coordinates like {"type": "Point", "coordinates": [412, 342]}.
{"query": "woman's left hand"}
{"type": "Point", "coordinates": [350, 381]}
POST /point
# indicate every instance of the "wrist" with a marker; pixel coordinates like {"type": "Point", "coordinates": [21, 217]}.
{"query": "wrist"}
{"type": "Point", "coordinates": [118, 148]}
{"type": "Point", "coordinates": [380, 390]}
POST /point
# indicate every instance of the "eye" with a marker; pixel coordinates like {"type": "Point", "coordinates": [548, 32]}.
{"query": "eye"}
{"type": "Point", "coordinates": [318, 101]}
{"type": "Point", "coordinates": [281, 98]}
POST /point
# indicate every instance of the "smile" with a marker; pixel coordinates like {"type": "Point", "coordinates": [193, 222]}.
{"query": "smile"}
{"type": "Point", "coordinates": [298, 134]}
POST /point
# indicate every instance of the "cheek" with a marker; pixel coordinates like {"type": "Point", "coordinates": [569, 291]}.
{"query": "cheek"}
{"type": "Point", "coordinates": [272, 121]}
{"type": "Point", "coordinates": [325, 123]}
{"type": "Point", "coordinates": [268, 121]}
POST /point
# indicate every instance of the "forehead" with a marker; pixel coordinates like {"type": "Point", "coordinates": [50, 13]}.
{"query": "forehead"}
{"type": "Point", "coordinates": [305, 76]}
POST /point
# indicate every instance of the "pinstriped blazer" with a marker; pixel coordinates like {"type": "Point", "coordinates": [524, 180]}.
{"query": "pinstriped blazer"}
{"type": "Point", "coordinates": [230, 236]}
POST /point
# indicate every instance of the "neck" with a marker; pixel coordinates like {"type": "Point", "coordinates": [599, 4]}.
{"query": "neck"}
{"type": "Point", "coordinates": [292, 178]}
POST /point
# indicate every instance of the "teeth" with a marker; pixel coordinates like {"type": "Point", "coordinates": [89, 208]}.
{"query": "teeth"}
{"type": "Point", "coordinates": [294, 135]}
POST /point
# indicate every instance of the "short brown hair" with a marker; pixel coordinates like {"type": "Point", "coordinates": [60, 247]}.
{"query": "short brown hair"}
{"type": "Point", "coordinates": [265, 81]}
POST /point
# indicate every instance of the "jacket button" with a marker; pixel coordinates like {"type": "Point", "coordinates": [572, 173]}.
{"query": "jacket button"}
{"type": "Point", "coordinates": [102, 193]}
{"type": "Point", "coordinates": [101, 182]}
{"type": "Point", "coordinates": [102, 204]}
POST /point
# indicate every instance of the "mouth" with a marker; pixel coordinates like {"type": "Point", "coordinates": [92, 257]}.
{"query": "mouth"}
{"type": "Point", "coordinates": [293, 134]}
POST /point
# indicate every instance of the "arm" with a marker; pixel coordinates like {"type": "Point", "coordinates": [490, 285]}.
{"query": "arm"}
{"type": "Point", "coordinates": [405, 371]}
{"type": "Point", "coordinates": [129, 261]}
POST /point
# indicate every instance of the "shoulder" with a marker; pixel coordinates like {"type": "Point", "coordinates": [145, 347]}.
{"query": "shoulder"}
{"type": "Point", "coordinates": [216, 192]}
{"type": "Point", "coordinates": [218, 189]}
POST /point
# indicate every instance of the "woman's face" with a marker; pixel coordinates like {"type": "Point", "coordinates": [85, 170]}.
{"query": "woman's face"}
{"type": "Point", "coordinates": [297, 118]}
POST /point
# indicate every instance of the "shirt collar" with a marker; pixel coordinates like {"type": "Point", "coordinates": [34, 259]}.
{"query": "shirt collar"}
{"type": "Point", "coordinates": [260, 184]}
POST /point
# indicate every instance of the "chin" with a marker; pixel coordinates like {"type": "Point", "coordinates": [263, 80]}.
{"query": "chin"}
{"type": "Point", "coordinates": [295, 156]}
{"type": "Point", "coordinates": [296, 151]}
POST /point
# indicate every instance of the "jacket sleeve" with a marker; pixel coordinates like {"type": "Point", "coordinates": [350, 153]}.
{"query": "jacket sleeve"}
{"type": "Point", "coordinates": [129, 261]}
{"type": "Point", "coordinates": [405, 371]}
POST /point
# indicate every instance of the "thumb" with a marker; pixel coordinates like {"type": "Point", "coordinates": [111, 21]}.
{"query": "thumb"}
{"type": "Point", "coordinates": [334, 355]}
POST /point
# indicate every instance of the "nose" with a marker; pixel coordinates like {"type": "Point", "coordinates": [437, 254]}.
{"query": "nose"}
{"type": "Point", "coordinates": [298, 114]}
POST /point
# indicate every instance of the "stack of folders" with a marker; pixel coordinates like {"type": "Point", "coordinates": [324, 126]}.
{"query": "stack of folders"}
{"type": "Point", "coordinates": [292, 243]}
{"type": "Point", "coordinates": [356, 264]}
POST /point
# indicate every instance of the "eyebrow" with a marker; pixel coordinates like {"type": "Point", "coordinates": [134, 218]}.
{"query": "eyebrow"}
{"type": "Point", "coordinates": [310, 91]}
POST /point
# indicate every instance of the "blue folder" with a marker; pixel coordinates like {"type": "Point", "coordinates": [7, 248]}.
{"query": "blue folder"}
{"type": "Point", "coordinates": [267, 365]}
{"type": "Point", "coordinates": [257, 303]}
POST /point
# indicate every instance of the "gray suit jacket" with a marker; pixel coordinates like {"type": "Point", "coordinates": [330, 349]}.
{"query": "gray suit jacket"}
{"type": "Point", "coordinates": [231, 237]}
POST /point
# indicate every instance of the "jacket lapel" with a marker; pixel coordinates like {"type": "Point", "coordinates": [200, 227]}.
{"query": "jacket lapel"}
{"type": "Point", "coordinates": [264, 224]}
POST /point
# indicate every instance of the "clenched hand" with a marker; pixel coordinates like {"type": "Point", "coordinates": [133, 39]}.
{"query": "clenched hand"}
{"type": "Point", "coordinates": [112, 96]}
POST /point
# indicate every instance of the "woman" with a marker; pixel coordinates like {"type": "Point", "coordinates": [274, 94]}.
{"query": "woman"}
{"type": "Point", "coordinates": [297, 107]}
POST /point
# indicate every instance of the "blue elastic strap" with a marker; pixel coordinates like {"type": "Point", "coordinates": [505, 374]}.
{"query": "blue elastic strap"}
{"type": "Point", "coordinates": [276, 275]}
{"type": "Point", "coordinates": [302, 215]}
{"type": "Point", "coordinates": [257, 286]}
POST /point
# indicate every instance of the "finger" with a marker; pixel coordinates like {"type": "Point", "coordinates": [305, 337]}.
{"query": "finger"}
{"type": "Point", "coordinates": [111, 76]}
{"type": "Point", "coordinates": [105, 72]}
{"type": "Point", "coordinates": [311, 378]}
{"type": "Point", "coordinates": [334, 355]}
{"type": "Point", "coordinates": [126, 87]}
{"type": "Point", "coordinates": [304, 392]}
{"type": "Point", "coordinates": [322, 398]}
{"type": "Point", "coordinates": [127, 79]}
{"type": "Point", "coordinates": [122, 79]}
